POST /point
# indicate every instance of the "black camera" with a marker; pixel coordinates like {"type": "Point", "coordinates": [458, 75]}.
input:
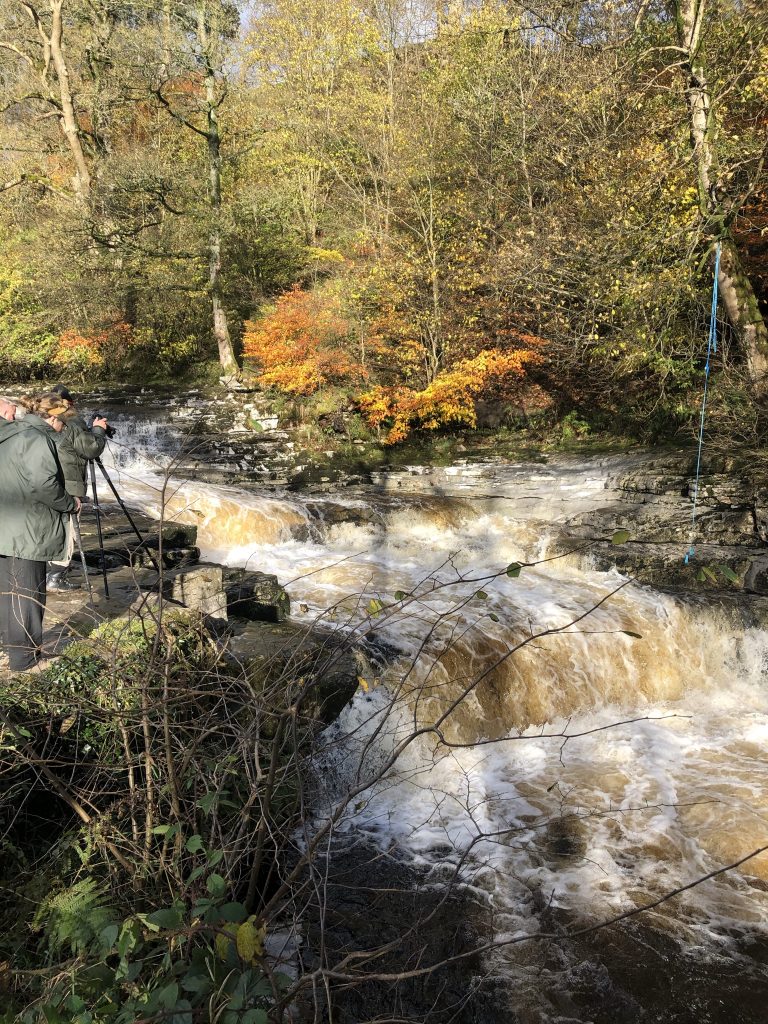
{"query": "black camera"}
{"type": "Point", "coordinates": [109, 431]}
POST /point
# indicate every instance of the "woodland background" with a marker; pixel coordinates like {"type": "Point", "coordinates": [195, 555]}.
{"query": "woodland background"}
{"type": "Point", "coordinates": [408, 206]}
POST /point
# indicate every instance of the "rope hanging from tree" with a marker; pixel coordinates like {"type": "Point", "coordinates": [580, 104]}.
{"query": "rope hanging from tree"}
{"type": "Point", "coordinates": [711, 350]}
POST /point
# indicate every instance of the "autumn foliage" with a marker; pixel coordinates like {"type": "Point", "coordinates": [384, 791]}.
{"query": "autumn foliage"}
{"type": "Point", "coordinates": [450, 398]}
{"type": "Point", "coordinates": [298, 347]}
{"type": "Point", "coordinates": [88, 353]}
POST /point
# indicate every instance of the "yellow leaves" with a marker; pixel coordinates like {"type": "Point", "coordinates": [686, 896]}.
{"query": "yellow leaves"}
{"type": "Point", "coordinates": [450, 398]}
{"type": "Point", "coordinates": [318, 255]}
{"type": "Point", "coordinates": [363, 684]}
{"type": "Point", "coordinates": [246, 939]}
{"type": "Point", "coordinates": [250, 940]}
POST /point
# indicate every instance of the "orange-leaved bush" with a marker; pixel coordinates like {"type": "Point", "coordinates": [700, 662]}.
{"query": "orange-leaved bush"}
{"type": "Point", "coordinates": [88, 353]}
{"type": "Point", "coordinates": [450, 398]}
{"type": "Point", "coordinates": [298, 345]}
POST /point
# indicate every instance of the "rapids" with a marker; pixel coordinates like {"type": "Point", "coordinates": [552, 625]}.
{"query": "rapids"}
{"type": "Point", "coordinates": [595, 768]}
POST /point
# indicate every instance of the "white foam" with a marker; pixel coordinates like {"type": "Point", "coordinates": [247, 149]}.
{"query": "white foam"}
{"type": "Point", "coordinates": [657, 803]}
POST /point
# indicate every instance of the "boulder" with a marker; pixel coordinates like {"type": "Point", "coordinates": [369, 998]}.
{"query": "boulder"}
{"type": "Point", "coordinates": [201, 589]}
{"type": "Point", "coordinates": [321, 666]}
{"type": "Point", "coordinates": [175, 535]}
{"type": "Point", "coordinates": [255, 595]}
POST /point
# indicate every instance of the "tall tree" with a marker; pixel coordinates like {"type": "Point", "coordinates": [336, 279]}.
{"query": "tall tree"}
{"type": "Point", "coordinates": [208, 26]}
{"type": "Point", "coordinates": [720, 203]}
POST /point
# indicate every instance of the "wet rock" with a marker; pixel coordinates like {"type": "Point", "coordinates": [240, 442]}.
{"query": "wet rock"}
{"type": "Point", "coordinates": [200, 589]}
{"type": "Point", "coordinates": [94, 559]}
{"type": "Point", "coordinates": [172, 557]}
{"type": "Point", "coordinates": [377, 902]}
{"type": "Point", "coordinates": [321, 667]}
{"type": "Point", "coordinates": [255, 595]}
{"type": "Point", "coordinates": [329, 513]}
{"type": "Point", "coordinates": [566, 838]}
{"type": "Point", "coordinates": [175, 535]}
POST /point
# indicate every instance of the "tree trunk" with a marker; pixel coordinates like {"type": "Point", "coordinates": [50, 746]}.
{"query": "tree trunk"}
{"type": "Point", "coordinates": [738, 294]}
{"type": "Point", "coordinates": [743, 311]}
{"type": "Point", "coordinates": [213, 136]}
{"type": "Point", "coordinates": [68, 118]}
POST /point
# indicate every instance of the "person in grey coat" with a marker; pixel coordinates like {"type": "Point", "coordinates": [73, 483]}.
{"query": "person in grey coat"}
{"type": "Point", "coordinates": [76, 446]}
{"type": "Point", "coordinates": [34, 507]}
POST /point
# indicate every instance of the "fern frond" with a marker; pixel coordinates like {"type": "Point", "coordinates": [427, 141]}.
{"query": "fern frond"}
{"type": "Point", "coordinates": [73, 918]}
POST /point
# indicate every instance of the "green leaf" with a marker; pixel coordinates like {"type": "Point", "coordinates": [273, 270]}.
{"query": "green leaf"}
{"type": "Point", "coordinates": [635, 636]}
{"type": "Point", "coordinates": [168, 996]}
{"type": "Point", "coordinates": [620, 537]}
{"type": "Point", "coordinates": [254, 1017]}
{"type": "Point", "coordinates": [129, 937]}
{"type": "Point", "coordinates": [199, 984]}
{"type": "Point", "coordinates": [169, 831]}
{"type": "Point", "coordinates": [234, 912]}
{"type": "Point", "coordinates": [482, 595]}
{"type": "Point", "coordinates": [400, 595]}
{"type": "Point", "coordinates": [493, 616]}
{"type": "Point", "coordinates": [375, 606]}
{"type": "Point", "coordinates": [108, 936]}
{"type": "Point", "coordinates": [167, 917]}
{"type": "Point", "coordinates": [729, 574]}
{"type": "Point", "coordinates": [708, 574]}
{"type": "Point", "coordinates": [207, 801]}
{"type": "Point", "coordinates": [185, 1016]}
{"type": "Point", "coordinates": [133, 970]}
{"type": "Point", "coordinates": [198, 871]}
{"type": "Point", "coordinates": [215, 857]}
{"type": "Point", "coordinates": [216, 885]}
{"type": "Point", "coordinates": [201, 908]}
{"type": "Point", "coordinates": [194, 844]}
{"type": "Point", "coordinates": [514, 569]}
{"type": "Point", "coordinates": [152, 925]}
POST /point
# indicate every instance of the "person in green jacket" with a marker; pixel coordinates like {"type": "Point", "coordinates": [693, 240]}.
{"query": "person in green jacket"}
{"type": "Point", "coordinates": [34, 508]}
{"type": "Point", "coordinates": [76, 445]}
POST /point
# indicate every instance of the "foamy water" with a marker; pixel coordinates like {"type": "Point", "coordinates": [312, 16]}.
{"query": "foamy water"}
{"type": "Point", "coordinates": [535, 781]}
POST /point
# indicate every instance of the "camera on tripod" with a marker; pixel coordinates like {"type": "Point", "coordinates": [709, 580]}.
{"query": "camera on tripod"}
{"type": "Point", "coordinates": [109, 431]}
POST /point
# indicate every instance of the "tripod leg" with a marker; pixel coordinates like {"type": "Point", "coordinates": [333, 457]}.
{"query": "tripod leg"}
{"type": "Point", "coordinates": [97, 509]}
{"type": "Point", "coordinates": [122, 505]}
{"type": "Point", "coordinates": [79, 539]}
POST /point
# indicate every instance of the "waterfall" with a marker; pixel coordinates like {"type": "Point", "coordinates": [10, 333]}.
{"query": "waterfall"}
{"type": "Point", "coordinates": [601, 765]}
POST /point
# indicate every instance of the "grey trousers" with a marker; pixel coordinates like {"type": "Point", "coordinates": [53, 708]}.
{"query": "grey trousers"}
{"type": "Point", "coordinates": [22, 604]}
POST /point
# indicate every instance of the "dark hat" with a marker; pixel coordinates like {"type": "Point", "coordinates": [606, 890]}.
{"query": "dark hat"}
{"type": "Point", "coordinates": [65, 393]}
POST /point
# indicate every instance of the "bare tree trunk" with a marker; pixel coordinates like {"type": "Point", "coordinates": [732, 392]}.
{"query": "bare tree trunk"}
{"type": "Point", "coordinates": [738, 294]}
{"type": "Point", "coordinates": [53, 53]}
{"type": "Point", "coordinates": [213, 137]}
{"type": "Point", "coordinates": [743, 312]}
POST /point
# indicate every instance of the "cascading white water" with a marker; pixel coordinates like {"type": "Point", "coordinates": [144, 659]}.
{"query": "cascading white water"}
{"type": "Point", "coordinates": [609, 819]}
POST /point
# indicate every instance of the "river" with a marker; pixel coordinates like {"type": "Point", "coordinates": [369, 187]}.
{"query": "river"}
{"type": "Point", "coordinates": [589, 771]}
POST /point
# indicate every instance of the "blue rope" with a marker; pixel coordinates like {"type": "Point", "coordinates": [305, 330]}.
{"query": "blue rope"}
{"type": "Point", "coordinates": [711, 350]}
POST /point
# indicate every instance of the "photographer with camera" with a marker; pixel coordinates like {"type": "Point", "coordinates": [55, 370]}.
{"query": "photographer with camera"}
{"type": "Point", "coordinates": [33, 526]}
{"type": "Point", "coordinates": [77, 444]}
